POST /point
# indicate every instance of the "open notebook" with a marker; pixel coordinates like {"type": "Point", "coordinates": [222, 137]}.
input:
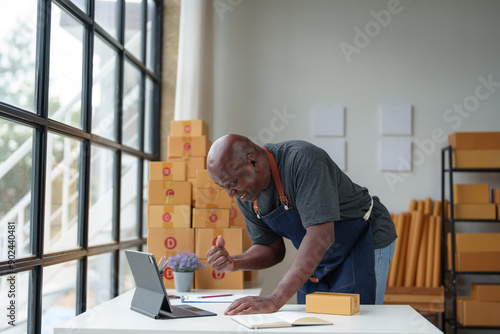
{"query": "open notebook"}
{"type": "Point", "coordinates": [279, 319]}
{"type": "Point", "coordinates": [150, 297]}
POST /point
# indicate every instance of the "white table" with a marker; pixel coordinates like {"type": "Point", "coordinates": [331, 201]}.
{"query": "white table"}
{"type": "Point", "coordinates": [115, 317]}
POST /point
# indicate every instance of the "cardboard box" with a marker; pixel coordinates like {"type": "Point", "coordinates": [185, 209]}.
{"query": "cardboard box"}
{"type": "Point", "coordinates": [169, 193]}
{"type": "Point", "coordinates": [167, 241]}
{"type": "Point", "coordinates": [477, 261]}
{"type": "Point", "coordinates": [475, 140]}
{"type": "Point", "coordinates": [485, 292]}
{"type": "Point", "coordinates": [188, 146]}
{"type": "Point", "coordinates": [476, 242]}
{"type": "Point", "coordinates": [169, 216]}
{"type": "Point", "coordinates": [236, 217]}
{"type": "Point", "coordinates": [204, 181]}
{"type": "Point", "coordinates": [332, 303]}
{"type": "Point", "coordinates": [206, 238]}
{"type": "Point", "coordinates": [498, 213]}
{"type": "Point", "coordinates": [472, 312]}
{"type": "Point", "coordinates": [168, 278]}
{"type": "Point", "coordinates": [212, 198]}
{"type": "Point", "coordinates": [471, 193]}
{"type": "Point", "coordinates": [476, 158]}
{"type": "Point", "coordinates": [495, 195]}
{"type": "Point", "coordinates": [192, 164]}
{"type": "Point", "coordinates": [167, 171]}
{"type": "Point", "coordinates": [188, 128]}
{"type": "Point", "coordinates": [475, 251]}
{"type": "Point", "coordinates": [474, 211]}
{"type": "Point", "coordinates": [209, 278]}
{"type": "Point", "coordinates": [210, 218]}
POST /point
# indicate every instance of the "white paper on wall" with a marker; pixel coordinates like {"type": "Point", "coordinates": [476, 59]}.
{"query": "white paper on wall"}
{"type": "Point", "coordinates": [395, 154]}
{"type": "Point", "coordinates": [396, 119]}
{"type": "Point", "coordinates": [329, 121]}
{"type": "Point", "coordinates": [336, 149]}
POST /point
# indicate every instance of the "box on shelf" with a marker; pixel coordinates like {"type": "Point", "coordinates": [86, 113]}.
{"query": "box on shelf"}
{"type": "Point", "coordinates": [210, 218]}
{"type": "Point", "coordinates": [476, 158]}
{"type": "Point", "coordinates": [472, 312]}
{"type": "Point", "coordinates": [167, 171]}
{"type": "Point", "coordinates": [485, 292]}
{"type": "Point", "coordinates": [188, 146]}
{"type": "Point", "coordinates": [167, 241]}
{"type": "Point", "coordinates": [422, 299]}
{"type": "Point", "coordinates": [475, 140]}
{"type": "Point", "coordinates": [169, 193]}
{"type": "Point", "coordinates": [474, 211]}
{"type": "Point", "coordinates": [206, 238]}
{"type": "Point", "coordinates": [203, 180]}
{"type": "Point", "coordinates": [209, 278]}
{"type": "Point", "coordinates": [192, 164]}
{"type": "Point", "coordinates": [475, 251]}
{"type": "Point", "coordinates": [188, 128]}
{"type": "Point", "coordinates": [212, 198]}
{"type": "Point", "coordinates": [332, 303]}
{"type": "Point", "coordinates": [471, 193]}
{"type": "Point", "coordinates": [477, 261]}
{"type": "Point", "coordinates": [169, 216]}
{"type": "Point", "coordinates": [495, 195]}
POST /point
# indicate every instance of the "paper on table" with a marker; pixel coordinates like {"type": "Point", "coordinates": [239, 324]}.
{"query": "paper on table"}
{"type": "Point", "coordinates": [196, 298]}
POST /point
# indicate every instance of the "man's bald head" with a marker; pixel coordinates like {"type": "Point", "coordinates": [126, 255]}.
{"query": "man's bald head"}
{"type": "Point", "coordinates": [229, 151]}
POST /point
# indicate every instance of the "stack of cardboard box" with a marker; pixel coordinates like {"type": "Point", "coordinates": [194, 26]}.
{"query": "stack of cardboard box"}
{"type": "Point", "coordinates": [472, 201]}
{"type": "Point", "coordinates": [475, 149]}
{"type": "Point", "coordinates": [481, 308]}
{"type": "Point", "coordinates": [475, 252]}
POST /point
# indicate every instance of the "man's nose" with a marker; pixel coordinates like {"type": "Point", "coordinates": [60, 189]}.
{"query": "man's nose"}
{"type": "Point", "coordinates": [230, 192]}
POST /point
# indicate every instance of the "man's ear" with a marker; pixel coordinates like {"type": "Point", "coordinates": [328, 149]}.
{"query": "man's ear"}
{"type": "Point", "coordinates": [252, 161]}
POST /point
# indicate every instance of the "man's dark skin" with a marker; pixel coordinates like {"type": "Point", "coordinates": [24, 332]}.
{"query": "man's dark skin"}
{"type": "Point", "coordinates": [242, 168]}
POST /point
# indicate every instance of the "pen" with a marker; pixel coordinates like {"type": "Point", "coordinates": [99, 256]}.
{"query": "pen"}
{"type": "Point", "coordinates": [214, 296]}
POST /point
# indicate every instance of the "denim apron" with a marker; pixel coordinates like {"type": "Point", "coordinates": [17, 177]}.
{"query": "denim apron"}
{"type": "Point", "coordinates": [348, 265]}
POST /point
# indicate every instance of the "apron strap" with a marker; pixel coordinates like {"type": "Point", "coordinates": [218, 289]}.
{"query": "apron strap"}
{"type": "Point", "coordinates": [277, 181]}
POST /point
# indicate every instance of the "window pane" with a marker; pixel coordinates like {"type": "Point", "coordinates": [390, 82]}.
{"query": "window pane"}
{"type": "Point", "coordinates": [100, 273]}
{"type": "Point", "coordinates": [65, 85]}
{"type": "Point", "coordinates": [104, 90]}
{"type": "Point", "coordinates": [106, 15]}
{"type": "Point", "coordinates": [148, 117]}
{"type": "Point", "coordinates": [81, 3]}
{"type": "Point", "coordinates": [59, 295]}
{"type": "Point", "coordinates": [126, 280]}
{"type": "Point", "coordinates": [14, 289]}
{"type": "Point", "coordinates": [131, 94]}
{"type": "Point", "coordinates": [145, 179]}
{"type": "Point", "coordinates": [16, 142]}
{"type": "Point", "coordinates": [17, 55]}
{"type": "Point", "coordinates": [150, 28]}
{"type": "Point", "coordinates": [133, 27]}
{"type": "Point", "coordinates": [61, 193]}
{"type": "Point", "coordinates": [101, 195]}
{"type": "Point", "coordinates": [129, 191]}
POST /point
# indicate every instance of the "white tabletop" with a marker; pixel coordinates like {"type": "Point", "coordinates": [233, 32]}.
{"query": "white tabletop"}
{"type": "Point", "coordinates": [115, 317]}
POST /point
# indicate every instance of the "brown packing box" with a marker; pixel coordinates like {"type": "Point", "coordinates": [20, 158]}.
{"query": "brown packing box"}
{"type": "Point", "coordinates": [247, 243]}
{"type": "Point", "coordinates": [188, 146]}
{"type": "Point", "coordinates": [212, 198]}
{"type": "Point", "coordinates": [236, 217]}
{"type": "Point", "coordinates": [169, 216]}
{"type": "Point", "coordinates": [332, 303]}
{"type": "Point", "coordinates": [167, 241]}
{"type": "Point", "coordinates": [495, 195]}
{"type": "Point", "coordinates": [188, 128]}
{"type": "Point", "coordinates": [485, 292]}
{"type": "Point", "coordinates": [206, 238]}
{"type": "Point", "coordinates": [203, 180]}
{"type": "Point", "coordinates": [477, 242]}
{"type": "Point", "coordinates": [472, 312]}
{"type": "Point", "coordinates": [210, 218]}
{"type": "Point", "coordinates": [475, 140]}
{"type": "Point", "coordinates": [209, 278]}
{"type": "Point", "coordinates": [475, 251]}
{"type": "Point", "coordinates": [471, 193]}
{"type": "Point", "coordinates": [167, 171]}
{"type": "Point", "coordinates": [498, 212]}
{"type": "Point", "coordinates": [474, 211]}
{"type": "Point", "coordinates": [169, 193]}
{"type": "Point", "coordinates": [476, 158]}
{"type": "Point", "coordinates": [478, 261]}
{"type": "Point", "coordinates": [192, 164]}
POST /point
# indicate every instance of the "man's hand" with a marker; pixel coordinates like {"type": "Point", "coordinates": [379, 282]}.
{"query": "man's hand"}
{"type": "Point", "coordinates": [218, 257]}
{"type": "Point", "coordinates": [253, 304]}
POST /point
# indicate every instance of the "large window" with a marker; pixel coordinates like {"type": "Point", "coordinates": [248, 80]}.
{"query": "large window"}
{"type": "Point", "coordinates": [79, 123]}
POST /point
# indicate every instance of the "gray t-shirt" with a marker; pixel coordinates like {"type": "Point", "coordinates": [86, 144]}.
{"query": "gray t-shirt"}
{"type": "Point", "coordinates": [318, 189]}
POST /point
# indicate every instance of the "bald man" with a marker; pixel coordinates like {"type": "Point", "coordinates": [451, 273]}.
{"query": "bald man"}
{"type": "Point", "coordinates": [294, 190]}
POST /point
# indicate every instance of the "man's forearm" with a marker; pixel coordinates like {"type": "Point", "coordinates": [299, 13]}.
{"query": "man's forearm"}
{"type": "Point", "coordinates": [260, 256]}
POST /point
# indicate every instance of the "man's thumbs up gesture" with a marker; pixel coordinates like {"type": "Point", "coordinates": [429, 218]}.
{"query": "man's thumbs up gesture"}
{"type": "Point", "coordinates": [218, 257]}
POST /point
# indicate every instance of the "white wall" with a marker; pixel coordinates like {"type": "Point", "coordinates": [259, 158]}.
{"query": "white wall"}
{"type": "Point", "coordinates": [284, 56]}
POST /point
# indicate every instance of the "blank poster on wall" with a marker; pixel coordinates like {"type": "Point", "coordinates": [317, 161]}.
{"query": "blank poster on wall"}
{"type": "Point", "coordinates": [329, 121]}
{"type": "Point", "coordinates": [396, 119]}
{"type": "Point", "coordinates": [395, 154]}
{"type": "Point", "coordinates": [336, 149]}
